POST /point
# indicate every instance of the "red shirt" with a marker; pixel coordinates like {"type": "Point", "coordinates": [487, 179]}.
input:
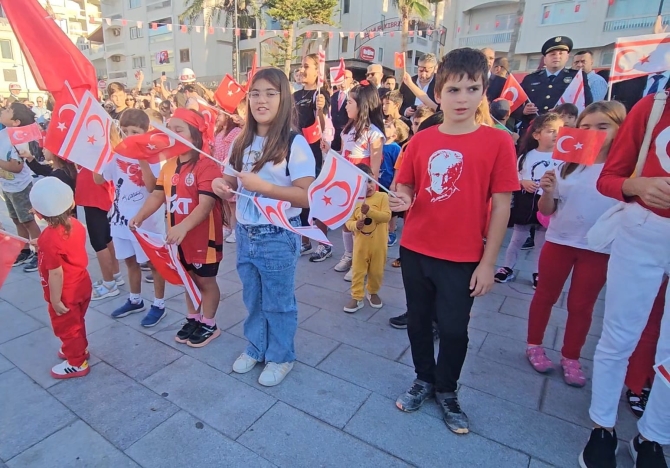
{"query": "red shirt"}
{"type": "Point", "coordinates": [454, 177]}
{"type": "Point", "coordinates": [56, 249]}
{"type": "Point", "coordinates": [88, 193]}
{"type": "Point", "coordinates": [183, 183]}
{"type": "Point", "coordinates": [625, 150]}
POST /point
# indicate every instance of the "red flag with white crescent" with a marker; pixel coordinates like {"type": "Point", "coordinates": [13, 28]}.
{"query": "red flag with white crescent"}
{"type": "Point", "coordinates": [333, 195]}
{"type": "Point", "coordinates": [640, 56]}
{"type": "Point", "coordinates": [154, 146]}
{"type": "Point", "coordinates": [10, 247]}
{"type": "Point", "coordinates": [229, 94]}
{"type": "Point", "coordinates": [18, 135]}
{"type": "Point", "coordinates": [514, 93]}
{"type": "Point", "coordinates": [575, 145]}
{"type": "Point", "coordinates": [312, 133]}
{"type": "Point", "coordinates": [164, 258]}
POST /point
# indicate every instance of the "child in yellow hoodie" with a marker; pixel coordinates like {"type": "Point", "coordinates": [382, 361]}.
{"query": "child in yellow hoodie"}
{"type": "Point", "coordinates": [369, 224]}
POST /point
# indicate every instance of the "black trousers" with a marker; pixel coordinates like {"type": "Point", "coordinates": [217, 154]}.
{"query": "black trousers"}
{"type": "Point", "coordinates": [441, 288]}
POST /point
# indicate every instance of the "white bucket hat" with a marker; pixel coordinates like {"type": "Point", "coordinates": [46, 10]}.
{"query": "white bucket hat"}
{"type": "Point", "coordinates": [51, 197]}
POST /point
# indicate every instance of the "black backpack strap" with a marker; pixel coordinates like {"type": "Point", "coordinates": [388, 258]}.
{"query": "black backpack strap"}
{"type": "Point", "coordinates": [288, 155]}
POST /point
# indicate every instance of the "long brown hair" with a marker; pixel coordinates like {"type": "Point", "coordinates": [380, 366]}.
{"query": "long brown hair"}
{"type": "Point", "coordinates": [613, 110]}
{"type": "Point", "coordinates": [276, 145]}
{"type": "Point", "coordinates": [60, 220]}
{"type": "Point", "coordinates": [369, 110]}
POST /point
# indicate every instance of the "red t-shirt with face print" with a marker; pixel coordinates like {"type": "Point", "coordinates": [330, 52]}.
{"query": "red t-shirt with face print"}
{"type": "Point", "coordinates": [454, 177]}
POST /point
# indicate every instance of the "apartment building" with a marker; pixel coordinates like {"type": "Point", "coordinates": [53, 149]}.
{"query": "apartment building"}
{"type": "Point", "coordinates": [77, 18]}
{"type": "Point", "coordinates": [592, 24]}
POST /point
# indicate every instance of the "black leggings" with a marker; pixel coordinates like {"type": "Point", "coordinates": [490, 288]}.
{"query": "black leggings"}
{"type": "Point", "coordinates": [98, 228]}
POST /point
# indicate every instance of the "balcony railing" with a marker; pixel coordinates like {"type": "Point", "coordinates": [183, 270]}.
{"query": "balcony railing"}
{"type": "Point", "coordinates": [118, 74]}
{"type": "Point", "coordinates": [485, 39]}
{"type": "Point", "coordinates": [644, 22]}
{"type": "Point", "coordinates": [160, 35]}
{"type": "Point", "coordinates": [113, 47]}
{"type": "Point", "coordinates": [157, 5]}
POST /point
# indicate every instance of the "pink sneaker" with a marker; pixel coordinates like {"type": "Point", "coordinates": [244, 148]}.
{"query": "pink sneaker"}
{"type": "Point", "coordinates": [572, 372]}
{"type": "Point", "coordinates": [538, 359]}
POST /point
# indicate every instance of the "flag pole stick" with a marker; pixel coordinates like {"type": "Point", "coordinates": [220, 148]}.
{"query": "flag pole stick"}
{"type": "Point", "coordinates": [507, 129]}
{"type": "Point", "coordinates": [367, 176]}
{"type": "Point", "coordinates": [22, 239]}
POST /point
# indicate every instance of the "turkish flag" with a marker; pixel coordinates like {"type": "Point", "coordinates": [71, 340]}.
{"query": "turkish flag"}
{"type": "Point", "coordinates": [250, 74]}
{"type": "Point", "coordinates": [662, 370]}
{"type": "Point", "coordinates": [165, 260]}
{"type": "Point", "coordinates": [154, 146]}
{"type": "Point", "coordinates": [229, 94]}
{"type": "Point", "coordinates": [514, 93]}
{"type": "Point", "coordinates": [332, 196]}
{"type": "Point", "coordinates": [274, 212]}
{"type": "Point", "coordinates": [312, 133]}
{"type": "Point", "coordinates": [10, 247]}
{"type": "Point", "coordinates": [640, 56]}
{"type": "Point", "coordinates": [337, 73]}
{"type": "Point", "coordinates": [575, 145]}
{"type": "Point", "coordinates": [400, 60]}
{"type": "Point", "coordinates": [18, 135]}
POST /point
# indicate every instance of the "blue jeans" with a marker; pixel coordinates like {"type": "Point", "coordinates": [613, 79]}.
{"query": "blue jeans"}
{"type": "Point", "coordinates": [267, 256]}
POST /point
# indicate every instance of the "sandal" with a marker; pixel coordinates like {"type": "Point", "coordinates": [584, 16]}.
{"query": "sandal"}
{"type": "Point", "coordinates": [572, 372]}
{"type": "Point", "coordinates": [396, 263]}
{"type": "Point", "coordinates": [538, 359]}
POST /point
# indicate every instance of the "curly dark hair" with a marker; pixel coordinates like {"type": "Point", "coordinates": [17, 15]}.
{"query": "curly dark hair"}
{"type": "Point", "coordinates": [528, 141]}
{"type": "Point", "coordinates": [464, 62]}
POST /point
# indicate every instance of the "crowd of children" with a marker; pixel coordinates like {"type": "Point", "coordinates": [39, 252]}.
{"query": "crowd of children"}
{"type": "Point", "coordinates": [457, 196]}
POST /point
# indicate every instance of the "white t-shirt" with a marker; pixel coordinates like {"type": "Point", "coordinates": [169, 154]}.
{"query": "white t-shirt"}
{"type": "Point", "coordinates": [535, 165]}
{"type": "Point", "coordinates": [13, 182]}
{"type": "Point", "coordinates": [301, 164]}
{"type": "Point", "coordinates": [418, 102]}
{"type": "Point", "coordinates": [358, 151]}
{"type": "Point", "coordinates": [579, 207]}
{"type": "Point", "coordinates": [129, 196]}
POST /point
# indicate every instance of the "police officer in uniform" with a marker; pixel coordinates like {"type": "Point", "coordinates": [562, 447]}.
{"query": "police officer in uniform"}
{"type": "Point", "coordinates": [546, 86]}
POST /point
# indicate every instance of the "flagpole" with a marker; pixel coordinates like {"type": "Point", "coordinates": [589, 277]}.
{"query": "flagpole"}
{"type": "Point", "coordinates": [336, 155]}
{"type": "Point", "coordinates": [507, 129]}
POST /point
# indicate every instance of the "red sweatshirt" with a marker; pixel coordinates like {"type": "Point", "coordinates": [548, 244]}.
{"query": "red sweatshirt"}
{"type": "Point", "coordinates": [623, 155]}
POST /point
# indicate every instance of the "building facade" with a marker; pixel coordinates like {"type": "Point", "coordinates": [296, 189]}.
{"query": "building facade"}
{"type": "Point", "coordinates": [591, 24]}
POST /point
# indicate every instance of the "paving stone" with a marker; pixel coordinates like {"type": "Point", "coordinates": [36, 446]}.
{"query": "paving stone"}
{"type": "Point", "coordinates": [312, 443]}
{"type": "Point", "coordinates": [231, 311]}
{"type": "Point", "coordinates": [14, 322]}
{"type": "Point", "coordinates": [94, 319]}
{"type": "Point", "coordinates": [588, 349]}
{"type": "Point", "coordinates": [75, 445]}
{"type": "Point", "coordinates": [5, 365]}
{"type": "Point", "coordinates": [29, 413]}
{"type": "Point", "coordinates": [171, 290]}
{"type": "Point", "coordinates": [366, 370]}
{"type": "Point", "coordinates": [18, 296]}
{"type": "Point", "coordinates": [375, 338]}
{"type": "Point", "coordinates": [311, 348]}
{"type": "Point", "coordinates": [425, 441]}
{"type": "Point", "coordinates": [520, 307]}
{"type": "Point", "coordinates": [535, 463]}
{"type": "Point", "coordinates": [114, 405]}
{"type": "Point", "coordinates": [383, 315]}
{"type": "Point", "coordinates": [491, 301]}
{"type": "Point", "coordinates": [321, 395]}
{"type": "Point", "coordinates": [505, 325]}
{"type": "Point", "coordinates": [519, 291]}
{"type": "Point", "coordinates": [131, 352]}
{"type": "Point", "coordinates": [221, 401]}
{"type": "Point", "coordinates": [331, 301]}
{"type": "Point", "coordinates": [171, 320]}
{"type": "Point", "coordinates": [227, 287]}
{"type": "Point", "coordinates": [183, 441]}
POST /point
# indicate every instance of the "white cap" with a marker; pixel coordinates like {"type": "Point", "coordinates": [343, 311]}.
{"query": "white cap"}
{"type": "Point", "coordinates": [51, 197]}
{"type": "Point", "coordinates": [187, 76]}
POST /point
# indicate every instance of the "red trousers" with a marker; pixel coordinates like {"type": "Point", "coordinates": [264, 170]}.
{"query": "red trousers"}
{"type": "Point", "coordinates": [640, 372]}
{"type": "Point", "coordinates": [589, 273]}
{"type": "Point", "coordinates": [71, 329]}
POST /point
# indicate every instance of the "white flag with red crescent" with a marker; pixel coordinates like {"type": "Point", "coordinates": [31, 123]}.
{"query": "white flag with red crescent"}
{"type": "Point", "coordinates": [87, 140]}
{"type": "Point", "coordinates": [640, 56]}
{"type": "Point", "coordinates": [333, 195]}
{"type": "Point", "coordinates": [274, 211]}
{"type": "Point", "coordinates": [574, 93]}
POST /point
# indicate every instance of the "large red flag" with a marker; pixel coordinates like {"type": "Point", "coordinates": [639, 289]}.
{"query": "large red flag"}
{"type": "Point", "coordinates": [10, 247]}
{"type": "Point", "coordinates": [154, 146]}
{"type": "Point", "coordinates": [53, 59]}
{"type": "Point", "coordinates": [514, 93]}
{"type": "Point", "coordinates": [578, 146]}
{"type": "Point", "coordinates": [229, 94]}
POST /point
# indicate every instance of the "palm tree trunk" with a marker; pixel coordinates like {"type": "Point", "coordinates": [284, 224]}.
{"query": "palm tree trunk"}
{"type": "Point", "coordinates": [404, 14]}
{"type": "Point", "coordinates": [289, 50]}
{"type": "Point", "coordinates": [515, 32]}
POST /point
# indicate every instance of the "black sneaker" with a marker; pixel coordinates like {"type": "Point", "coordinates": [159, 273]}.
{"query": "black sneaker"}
{"type": "Point", "coordinates": [503, 275]}
{"type": "Point", "coordinates": [187, 330]}
{"type": "Point", "coordinates": [455, 419]}
{"type": "Point", "coordinates": [23, 257]}
{"type": "Point", "coordinates": [647, 454]}
{"type": "Point", "coordinates": [535, 278]}
{"type": "Point", "coordinates": [600, 450]}
{"type": "Point", "coordinates": [413, 398]}
{"type": "Point", "coordinates": [399, 322]}
{"type": "Point", "coordinates": [529, 244]}
{"type": "Point", "coordinates": [203, 335]}
{"type": "Point", "coordinates": [30, 265]}
{"type": "Point", "coordinates": [637, 403]}
{"type": "Point", "coordinates": [321, 253]}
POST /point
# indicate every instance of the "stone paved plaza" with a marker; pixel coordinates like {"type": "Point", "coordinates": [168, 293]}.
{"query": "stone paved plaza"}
{"type": "Point", "coordinates": [151, 402]}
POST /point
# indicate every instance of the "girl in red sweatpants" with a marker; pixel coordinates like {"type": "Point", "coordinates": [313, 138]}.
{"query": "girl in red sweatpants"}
{"type": "Point", "coordinates": [574, 203]}
{"type": "Point", "coordinates": [62, 263]}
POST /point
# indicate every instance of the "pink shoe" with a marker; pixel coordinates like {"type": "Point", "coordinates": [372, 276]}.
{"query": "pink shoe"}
{"type": "Point", "coordinates": [572, 372]}
{"type": "Point", "coordinates": [538, 359]}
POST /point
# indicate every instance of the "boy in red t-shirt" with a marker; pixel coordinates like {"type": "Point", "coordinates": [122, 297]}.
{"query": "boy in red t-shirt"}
{"type": "Point", "coordinates": [62, 262]}
{"type": "Point", "coordinates": [449, 178]}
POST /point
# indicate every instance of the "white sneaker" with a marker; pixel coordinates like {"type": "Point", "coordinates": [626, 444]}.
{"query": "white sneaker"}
{"type": "Point", "coordinates": [349, 276]}
{"type": "Point", "coordinates": [231, 239]}
{"type": "Point", "coordinates": [244, 364]}
{"type": "Point", "coordinates": [351, 310]}
{"type": "Point", "coordinates": [227, 231]}
{"type": "Point", "coordinates": [65, 370]}
{"type": "Point", "coordinates": [372, 304]}
{"type": "Point", "coordinates": [118, 279]}
{"type": "Point", "coordinates": [344, 264]}
{"type": "Point", "coordinates": [274, 373]}
{"type": "Point", "coordinates": [100, 291]}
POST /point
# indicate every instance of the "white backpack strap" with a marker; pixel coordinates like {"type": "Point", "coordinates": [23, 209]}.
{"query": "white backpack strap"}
{"type": "Point", "coordinates": [654, 117]}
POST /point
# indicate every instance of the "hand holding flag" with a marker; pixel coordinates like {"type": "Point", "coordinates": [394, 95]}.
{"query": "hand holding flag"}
{"type": "Point", "coordinates": [575, 145]}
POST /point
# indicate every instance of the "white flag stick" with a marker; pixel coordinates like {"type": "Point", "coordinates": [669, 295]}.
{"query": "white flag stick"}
{"type": "Point", "coordinates": [183, 140]}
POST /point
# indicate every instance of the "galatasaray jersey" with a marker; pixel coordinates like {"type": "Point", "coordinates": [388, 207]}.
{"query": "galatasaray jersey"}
{"type": "Point", "coordinates": [183, 183]}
